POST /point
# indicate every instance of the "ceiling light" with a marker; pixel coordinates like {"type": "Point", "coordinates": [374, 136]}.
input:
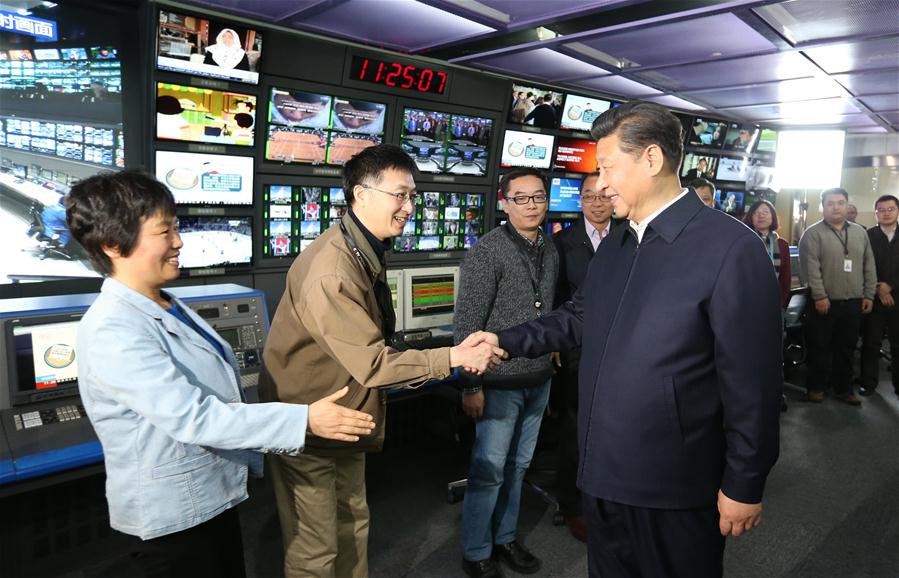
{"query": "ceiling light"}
{"type": "Point", "coordinates": [23, 12]}
{"type": "Point", "coordinates": [545, 33]}
{"type": "Point", "coordinates": [49, 4]}
{"type": "Point", "coordinates": [482, 9]}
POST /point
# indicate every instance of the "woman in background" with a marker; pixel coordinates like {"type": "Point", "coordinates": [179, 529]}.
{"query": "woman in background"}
{"type": "Point", "coordinates": [162, 390]}
{"type": "Point", "coordinates": [762, 218]}
{"type": "Point", "coordinates": [227, 51]}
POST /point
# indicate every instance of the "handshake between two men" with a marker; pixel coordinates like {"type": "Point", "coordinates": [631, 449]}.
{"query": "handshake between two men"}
{"type": "Point", "coordinates": [478, 353]}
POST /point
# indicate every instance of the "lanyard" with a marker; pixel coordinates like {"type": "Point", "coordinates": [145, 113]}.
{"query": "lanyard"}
{"type": "Point", "coordinates": [770, 239]}
{"type": "Point", "coordinates": [843, 242]}
{"type": "Point", "coordinates": [525, 260]}
{"type": "Point", "coordinates": [381, 290]}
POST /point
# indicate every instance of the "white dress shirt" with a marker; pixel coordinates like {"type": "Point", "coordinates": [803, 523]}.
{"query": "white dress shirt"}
{"type": "Point", "coordinates": [596, 237]}
{"type": "Point", "coordinates": [640, 228]}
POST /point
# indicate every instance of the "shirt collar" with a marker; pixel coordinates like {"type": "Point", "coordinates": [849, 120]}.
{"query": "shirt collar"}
{"type": "Point", "coordinates": [536, 243]}
{"type": "Point", "coordinates": [670, 219]}
{"type": "Point", "coordinates": [591, 230]}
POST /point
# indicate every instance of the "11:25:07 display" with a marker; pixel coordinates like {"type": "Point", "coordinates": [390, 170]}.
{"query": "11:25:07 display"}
{"type": "Point", "coordinates": [397, 75]}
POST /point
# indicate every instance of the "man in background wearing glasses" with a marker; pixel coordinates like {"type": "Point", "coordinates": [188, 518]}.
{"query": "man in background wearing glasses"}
{"type": "Point", "coordinates": [576, 246]}
{"type": "Point", "coordinates": [885, 245]}
{"type": "Point", "coordinates": [508, 278]}
{"type": "Point", "coordinates": [331, 330]}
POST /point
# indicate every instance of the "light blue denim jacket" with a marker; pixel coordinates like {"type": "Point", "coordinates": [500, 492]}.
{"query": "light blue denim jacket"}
{"type": "Point", "coordinates": [176, 440]}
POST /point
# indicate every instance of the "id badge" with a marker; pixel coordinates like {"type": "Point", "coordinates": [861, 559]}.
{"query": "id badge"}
{"type": "Point", "coordinates": [847, 265]}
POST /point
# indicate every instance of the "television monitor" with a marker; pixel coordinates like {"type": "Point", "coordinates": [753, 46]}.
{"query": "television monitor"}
{"type": "Point", "coordinates": [760, 174]}
{"type": "Point", "coordinates": [564, 195]}
{"type": "Point", "coordinates": [575, 155]}
{"type": "Point", "coordinates": [207, 47]}
{"type": "Point", "coordinates": [204, 179]}
{"type": "Point", "coordinates": [554, 226]}
{"type": "Point", "coordinates": [730, 201]}
{"type": "Point", "coordinates": [526, 149]}
{"type": "Point", "coordinates": [395, 283]}
{"type": "Point", "coordinates": [280, 221]}
{"type": "Point", "coordinates": [579, 112]}
{"type": "Point", "coordinates": [697, 165]}
{"type": "Point", "coordinates": [707, 133]}
{"type": "Point", "coordinates": [73, 53]}
{"type": "Point", "coordinates": [299, 108]}
{"type": "Point", "coordinates": [216, 242]}
{"type": "Point", "coordinates": [359, 116]}
{"type": "Point", "coordinates": [732, 169]}
{"type": "Point", "coordinates": [429, 294]}
{"type": "Point", "coordinates": [4, 56]}
{"type": "Point", "coordinates": [441, 142]}
{"type": "Point", "coordinates": [104, 53]}
{"type": "Point", "coordinates": [441, 221]}
{"type": "Point", "coordinates": [740, 137]}
{"type": "Point", "coordinates": [46, 54]}
{"type": "Point", "coordinates": [20, 55]}
{"type": "Point", "coordinates": [192, 114]}
{"type": "Point", "coordinates": [767, 141]}
{"type": "Point", "coordinates": [41, 357]}
{"type": "Point", "coordinates": [526, 103]}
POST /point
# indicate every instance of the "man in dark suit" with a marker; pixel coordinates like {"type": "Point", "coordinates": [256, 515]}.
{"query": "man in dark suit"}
{"type": "Point", "coordinates": [680, 381]}
{"type": "Point", "coordinates": [544, 115]}
{"type": "Point", "coordinates": [576, 246]}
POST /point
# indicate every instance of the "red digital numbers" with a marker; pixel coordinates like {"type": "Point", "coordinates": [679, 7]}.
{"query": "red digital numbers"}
{"type": "Point", "coordinates": [396, 75]}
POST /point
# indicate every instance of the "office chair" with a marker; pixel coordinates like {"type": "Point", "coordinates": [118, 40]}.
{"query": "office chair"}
{"type": "Point", "coordinates": [48, 245]}
{"type": "Point", "coordinates": [794, 350]}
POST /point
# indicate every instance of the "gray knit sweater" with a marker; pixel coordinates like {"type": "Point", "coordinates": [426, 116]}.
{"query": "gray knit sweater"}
{"type": "Point", "coordinates": [496, 292]}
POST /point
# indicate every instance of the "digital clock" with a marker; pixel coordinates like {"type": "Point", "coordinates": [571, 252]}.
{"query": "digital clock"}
{"type": "Point", "coordinates": [398, 75]}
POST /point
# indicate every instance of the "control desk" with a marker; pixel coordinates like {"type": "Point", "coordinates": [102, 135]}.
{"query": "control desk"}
{"type": "Point", "coordinates": [43, 426]}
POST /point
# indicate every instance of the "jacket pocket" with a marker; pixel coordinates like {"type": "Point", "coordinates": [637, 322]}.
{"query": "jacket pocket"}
{"type": "Point", "coordinates": [183, 465]}
{"type": "Point", "coordinates": [670, 394]}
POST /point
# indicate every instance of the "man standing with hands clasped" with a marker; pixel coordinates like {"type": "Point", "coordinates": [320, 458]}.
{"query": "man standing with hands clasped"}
{"type": "Point", "coordinates": [680, 326]}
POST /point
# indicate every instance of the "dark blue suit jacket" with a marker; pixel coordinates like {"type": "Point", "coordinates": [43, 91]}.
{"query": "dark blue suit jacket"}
{"type": "Point", "coordinates": [680, 377]}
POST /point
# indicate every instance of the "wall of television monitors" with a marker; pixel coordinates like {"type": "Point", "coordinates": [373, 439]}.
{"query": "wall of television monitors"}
{"type": "Point", "coordinates": [443, 221]}
{"type": "Point", "coordinates": [295, 215]}
{"type": "Point", "coordinates": [206, 179]}
{"type": "Point", "coordinates": [533, 106]}
{"type": "Point", "coordinates": [527, 149]}
{"type": "Point", "coordinates": [449, 143]}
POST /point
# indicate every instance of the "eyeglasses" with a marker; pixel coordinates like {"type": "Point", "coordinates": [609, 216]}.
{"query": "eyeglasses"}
{"type": "Point", "coordinates": [525, 199]}
{"type": "Point", "coordinates": [886, 210]}
{"type": "Point", "coordinates": [401, 197]}
{"type": "Point", "coordinates": [590, 199]}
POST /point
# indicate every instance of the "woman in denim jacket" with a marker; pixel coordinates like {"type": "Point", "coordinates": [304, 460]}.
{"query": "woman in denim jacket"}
{"type": "Point", "coordinates": [162, 391]}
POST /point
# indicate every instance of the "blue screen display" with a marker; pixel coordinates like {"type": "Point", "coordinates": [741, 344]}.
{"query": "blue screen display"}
{"type": "Point", "coordinates": [564, 195]}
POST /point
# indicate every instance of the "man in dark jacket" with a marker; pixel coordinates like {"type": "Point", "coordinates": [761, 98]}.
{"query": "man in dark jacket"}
{"type": "Point", "coordinates": [576, 246]}
{"type": "Point", "coordinates": [544, 115]}
{"type": "Point", "coordinates": [681, 377]}
{"type": "Point", "coordinates": [507, 278]}
{"type": "Point", "coordinates": [885, 245]}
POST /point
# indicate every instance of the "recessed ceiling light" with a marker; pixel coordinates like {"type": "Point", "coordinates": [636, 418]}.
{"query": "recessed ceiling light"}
{"type": "Point", "coordinates": [23, 12]}
{"type": "Point", "coordinates": [717, 53]}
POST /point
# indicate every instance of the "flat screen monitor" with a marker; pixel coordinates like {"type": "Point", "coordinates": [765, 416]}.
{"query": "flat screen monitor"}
{"type": "Point", "coordinates": [697, 165]}
{"type": "Point", "coordinates": [575, 155]}
{"type": "Point", "coordinates": [760, 174]}
{"type": "Point", "coordinates": [207, 47]}
{"type": "Point", "coordinates": [104, 53]}
{"type": "Point", "coordinates": [580, 111]}
{"type": "Point", "coordinates": [740, 137]}
{"type": "Point", "coordinates": [216, 242]}
{"type": "Point", "coordinates": [295, 215]}
{"type": "Point", "coordinates": [554, 226]}
{"type": "Point", "coordinates": [526, 149]}
{"type": "Point", "coordinates": [707, 133]}
{"type": "Point", "coordinates": [430, 296]}
{"type": "Point", "coordinates": [732, 169]}
{"type": "Point", "coordinates": [767, 141]}
{"type": "Point", "coordinates": [20, 55]}
{"type": "Point", "coordinates": [192, 114]}
{"type": "Point", "coordinates": [46, 54]}
{"type": "Point", "coordinates": [534, 106]}
{"type": "Point", "coordinates": [443, 221]}
{"type": "Point", "coordinates": [204, 179]}
{"type": "Point", "coordinates": [730, 201]}
{"type": "Point", "coordinates": [395, 283]}
{"type": "Point", "coordinates": [441, 142]}
{"type": "Point", "coordinates": [41, 357]}
{"type": "Point", "coordinates": [564, 195]}
{"type": "Point", "coordinates": [73, 53]}
{"type": "Point", "coordinates": [358, 116]}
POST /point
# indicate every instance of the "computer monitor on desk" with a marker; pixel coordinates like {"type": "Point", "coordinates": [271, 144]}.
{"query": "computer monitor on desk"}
{"type": "Point", "coordinates": [395, 282]}
{"type": "Point", "coordinates": [429, 294]}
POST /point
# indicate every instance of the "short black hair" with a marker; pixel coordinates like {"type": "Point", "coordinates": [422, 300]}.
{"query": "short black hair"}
{"type": "Point", "coordinates": [506, 180]}
{"type": "Point", "coordinates": [639, 124]}
{"type": "Point", "coordinates": [835, 191]}
{"type": "Point", "coordinates": [107, 210]}
{"type": "Point", "coordinates": [701, 182]}
{"type": "Point", "coordinates": [368, 166]}
{"type": "Point", "coordinates": [885, 198]}
{"type": "Point", "coordinates": [584, 181]}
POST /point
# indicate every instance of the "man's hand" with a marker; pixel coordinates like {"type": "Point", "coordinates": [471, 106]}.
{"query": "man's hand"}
{"type": "Point", "coordinates": [822, 306]}
{"type": "Point", "coordinates": [556, 358]}
{"type": "Point", "coordinates": [477, 359]}
{"type": "Point", "coordinates": [867, 306]}
{"type": "Point", "coordinates": [473, 404]}
{"type": "Point", "coordinates": [334, 422]}
{"type": "Point", "coordinates": [885, 294]}
{"type": "Point", "coordinates": [479, 337]}
{"type": "Point", "coordinates": [737, 517]}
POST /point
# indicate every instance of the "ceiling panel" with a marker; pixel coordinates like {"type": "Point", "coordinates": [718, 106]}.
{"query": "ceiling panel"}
{"type": "Point", "coordinates": [404, 25]}
{"type": "Point", "coordinates": [856, 56]}
{"type": "Point", "coordinates": [524, 12]}
{"type": "Point", "coordinates": [882, 102]}
{"type": "Point", "coordinates": [734, 72]}
{"type": "Point", "coordinates": [807, 110]}
{"type": "Point", "coordinates": [890, 117]}
{"type": "Point", "coordinates": [809, 20]}
{"type": "Point", "coordinates": [675, 102]}
{"type": "Point", "coordinates": [616, 85]}
{"type": "Point", "coordinates": [786, 91]}
{"type": "Point", "coordinates": [843, 121]}
{"type": "Point", "coordinates": [700, 39]}
{"type": "Point", "coordinates": [268, 10]}
{"type": "Point", "coordinates": [867, 129]}
{"type": "Point", "coordinates": [862, 83]}
{"type": "Point", "coordinates": [541, 64]}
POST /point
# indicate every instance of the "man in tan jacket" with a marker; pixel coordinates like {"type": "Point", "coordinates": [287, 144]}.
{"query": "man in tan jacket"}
{"type": "Point", "coordinates": [330, 331]}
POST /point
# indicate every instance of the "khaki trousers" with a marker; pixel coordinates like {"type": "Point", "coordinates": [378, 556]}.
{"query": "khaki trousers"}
{"type": "Point", "coordinates": [323, 513]}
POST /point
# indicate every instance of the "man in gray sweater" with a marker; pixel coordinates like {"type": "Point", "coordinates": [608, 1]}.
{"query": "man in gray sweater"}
{"type": "Point", "coordinates": [837, 259]}
{"type": "Point", "coordinates": [508, 278]}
